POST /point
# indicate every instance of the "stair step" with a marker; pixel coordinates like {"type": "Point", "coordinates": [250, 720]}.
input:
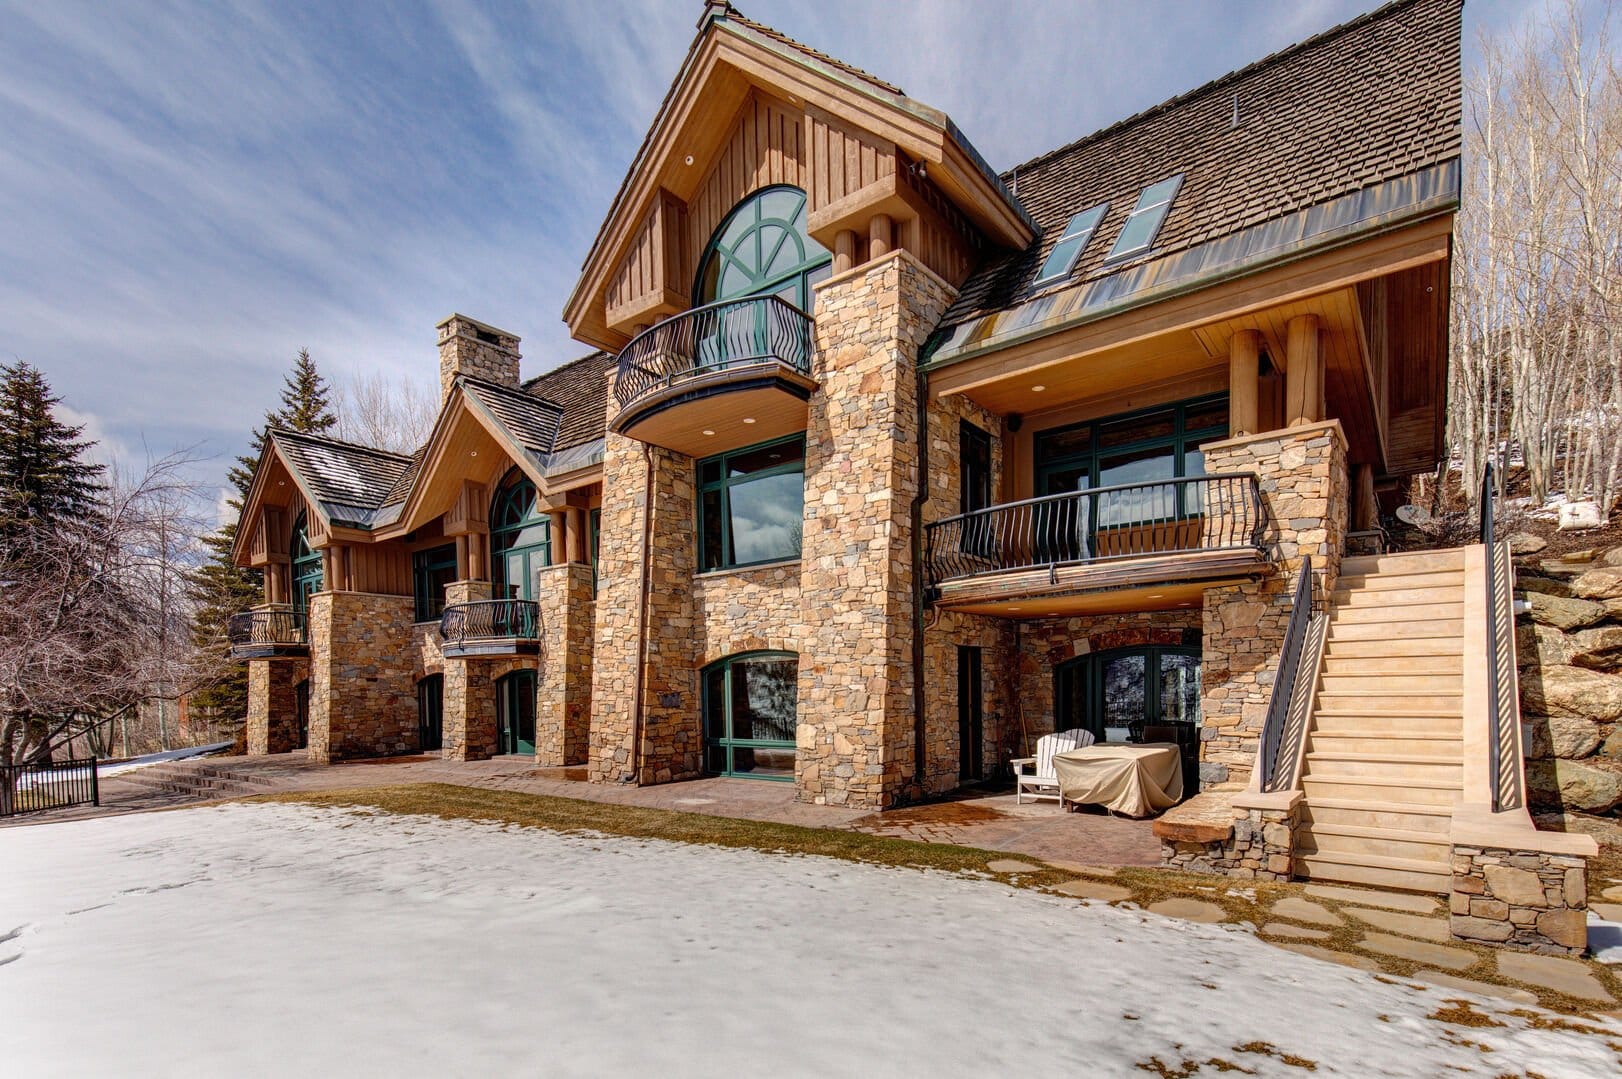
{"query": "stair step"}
{"type": "Point", "coordinates": [1384, 581]}
{"type": "Point", "coordinates": [1399, 816]}
{"type": "Point", "coordinates": [1391, 700]}
{"type": "Point", "coordinates": [1410, 562]}
{"type": "Point", "coordinates": [1358, 766]}
{"type": "Point", "coordinates": [1449, 744]}
{"type": "Point", "coordinates": [1371, 788]}
{"type": "Point", "coordinates": [1388, 844]}
{"type": "Point", "coordinates": [1408, 875]}
{"type": "Point", "coordinates": [1385, 629]}
{"type": "Point", "coordinates": [1407, 667]}
{"type": "Point", "coordinates": [1397, 616]}
{"type": "Point", "coordinates": [1342, 683]}
{"type": "Point", "coordinates": [1397, 597]}
{"type": "Point", "coordinates": [1339, 724]}
{"type": "Point", "coordinates": [1408, 649]}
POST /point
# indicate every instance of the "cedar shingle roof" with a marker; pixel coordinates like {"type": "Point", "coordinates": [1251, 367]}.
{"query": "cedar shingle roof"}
{"type": "Point", "coordinates": [349, 480]}
{"type": "Point", "coordinates": [1375, 98]}
{"type": "Point", "coordinates": [531, 419]}
{"type": "Point", "coordinates": [580, 388]}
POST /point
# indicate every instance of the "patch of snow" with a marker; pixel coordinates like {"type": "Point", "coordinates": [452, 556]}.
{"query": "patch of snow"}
{"type": "Point", "coordinates": [159, 758]}
{"type": "Point", "coordinates": [1605, 939]}
{"type": "Point", "coordinates": [283, 939]}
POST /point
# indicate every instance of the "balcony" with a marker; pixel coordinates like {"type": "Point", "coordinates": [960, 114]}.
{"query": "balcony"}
{"type": "Point", "coordinates": [718, 377]}
{"type": "Point", "coordinates": [490, 627]}
{"type": "Point", "coordinates": [1148, 546]}
{"type": "Point", "coordinates": [267, 634]}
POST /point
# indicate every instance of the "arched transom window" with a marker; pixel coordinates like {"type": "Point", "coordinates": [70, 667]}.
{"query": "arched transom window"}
{"type": "Point", "coordinates": [520, 538]}
{"type": "Point", "coordinates": [762, 247]}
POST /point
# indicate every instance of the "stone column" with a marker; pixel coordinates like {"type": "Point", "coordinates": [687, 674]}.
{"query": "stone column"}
{"type": "Point", "coordinates": [563, 693]}
{"type": "Point", "coordinates": [855, 737]}
{"type": "Point", "coordinates": [273, 705]}
{"type": "Point", "coordinates": [469, 709]}
{"type": "Point", "coordinates": [671, 744]}
{"type": "Point", "coordinates": [1304, 486]}
{"type": "Point", "coordinates": [363, 700]}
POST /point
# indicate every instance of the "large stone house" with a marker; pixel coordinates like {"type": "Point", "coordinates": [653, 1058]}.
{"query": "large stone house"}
{"type": "Point", "coordinates": [887, 463]}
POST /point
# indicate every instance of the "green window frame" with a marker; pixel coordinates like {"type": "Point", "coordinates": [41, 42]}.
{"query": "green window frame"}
{"type": "Point", "coordinates": [308, 578]}
{"type": "Point", "coordinates": [431, 571]}
{"type": "Point", "coordinates": [748, 485]}
{"type": "Point", "coordinates": [1081, 455]}
{"type": "Point", "coordinates": [750, 705]}
{"type": "Point", "coordinates": [762, 247]}
{"type": "Point", "coordinates": [431, 712]}
{"type": "Point", "coordinates": [520, 538]}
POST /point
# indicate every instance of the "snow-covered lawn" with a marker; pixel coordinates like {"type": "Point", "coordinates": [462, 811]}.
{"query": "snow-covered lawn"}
{"type": "Point", "coordinates": [289, 940]}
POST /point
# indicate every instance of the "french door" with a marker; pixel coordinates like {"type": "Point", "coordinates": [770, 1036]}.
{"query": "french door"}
{"type": "Point", "coordinates": [515, 712]}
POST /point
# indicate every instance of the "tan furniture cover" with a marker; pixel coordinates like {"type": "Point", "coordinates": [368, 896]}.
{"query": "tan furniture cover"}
{"type": "Point", "coordinates": [1134, 779]}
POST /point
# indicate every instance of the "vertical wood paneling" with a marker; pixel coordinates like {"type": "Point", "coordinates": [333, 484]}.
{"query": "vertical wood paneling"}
{"type": "Point", "coordinates": [766, 147]}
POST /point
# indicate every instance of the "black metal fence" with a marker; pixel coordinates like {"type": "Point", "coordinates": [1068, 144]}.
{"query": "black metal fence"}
{"type": "Point", "coordinates": [714, 337]}
{"type": "Point", "coordinates": [34, 788]}
{"type": "Point", "coordinates": [490, 620]}
{"type": "Point", "coordinates": [251, 629]}
{"type": "Point", "coordinates": [1199, 513]}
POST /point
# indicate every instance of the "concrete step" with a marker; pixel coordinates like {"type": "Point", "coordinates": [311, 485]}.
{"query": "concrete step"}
{"type": "Point", "coordinates": [1395, 815]}
{"type": "Point", "coordinates": [1371, 629]}
{"type": "Point", "coordinates": [1396, 597]}
{"type": "Point", "coordinates": [1363, 764]}
{"type": "Point", "coordinates": [1375, 871]}
{"type": "Point", "coordinates": [1386, 843]}
{"type": "Point", "coordinates": [1381, 788]}
{"type": "Point", "coordinates": [1451, 559]}
{"type": "Point", "coordinates": [1392, 701]}
{"type": "Point", "coordinates": [1448, 744]}
{"type": "Point", "coordinates": [1351, 682]}
{"type": "Point", "coordinates": [1397, 617]}
{"type": "Point", "coordinates": [1384, 581]}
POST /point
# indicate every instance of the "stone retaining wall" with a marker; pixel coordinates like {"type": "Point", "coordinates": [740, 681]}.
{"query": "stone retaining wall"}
{"type": "Point", "coordinates": [1529, 900]}
{"type": "Point", "coordinates": [1255, 844]}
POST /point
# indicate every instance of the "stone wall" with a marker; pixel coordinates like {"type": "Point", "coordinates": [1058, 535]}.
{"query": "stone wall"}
{"type": "Point", "coordinates": [362, 686]}
{"type": "Point", "coordinates": [1304, 485]}
{"type": "Point", "coordinates": [856, 706]}
{"type": "Point", "coordinates": [1255, 844]}
{"type": "Point", "coordinates": [747, 610]}
{"type": "Point", "coordinates": [1569, 648]}
{"type": "Point", "coordinates": [563, 684]}
{"type": "Point", "coordinates": [471, 731]}
{"type": "Point", "coordinates": [1530, 900]}
{"type": "Point", "coordinates": [272, 725]}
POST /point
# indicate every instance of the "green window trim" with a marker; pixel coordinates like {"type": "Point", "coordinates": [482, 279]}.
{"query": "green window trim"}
{"type": "Point", "coordinates": [716, 488]}
{"type": "Point", "coordinates": [1082, 679]}
{"type": "Point", "coordinates": [1182, 437]}
{"type": "Point", "coordinates": [749, 756]}
{"type": "Point", "coordinates": [520, 538]}
{"type": "Point", "coordinates": [431, 571]}
{"type": "Point", "coordinates": [308, 577]}
{"type": "Point", "coordinates": [762, 247]}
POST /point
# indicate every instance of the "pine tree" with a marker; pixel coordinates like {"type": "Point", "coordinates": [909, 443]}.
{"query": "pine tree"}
{"type": "Point", "coordinates": [222, 588]}
{"type": "Point", "coordinates": [44, 476]}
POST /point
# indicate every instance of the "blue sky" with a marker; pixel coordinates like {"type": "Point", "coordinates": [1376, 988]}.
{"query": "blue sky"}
{"type": "Point", "coordinates": [189, 192]}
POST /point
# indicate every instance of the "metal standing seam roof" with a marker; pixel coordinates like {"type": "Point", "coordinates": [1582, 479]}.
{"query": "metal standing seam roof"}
{"type": "Point", "coordinates": [1372, 100]}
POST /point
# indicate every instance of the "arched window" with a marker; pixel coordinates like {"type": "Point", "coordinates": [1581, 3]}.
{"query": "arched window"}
{"type": "Point", "coordinates": [750, 702]}
{"type": "Point", "coordinates": [520, 538]}
{"type": "Point", "coordinates": [762, 247]}
{"type": "Point", "coordinates": [307, 579]}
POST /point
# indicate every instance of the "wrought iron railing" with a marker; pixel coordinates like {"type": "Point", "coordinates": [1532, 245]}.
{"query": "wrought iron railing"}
{"type": "Point", "coordinates": [490, 620]}
{"type": "Point", "coordinates": [1503, 689]}
{"type": "Point", "coordinates": [251, 629]}
{"type": "Point", "coordinates": [34, 788]}
{"type": "Point", "coordinates": [1290, 668]}
{"type": "Point", "coordinates": [715, 337]}
{"type": "Point", "coordinates": [1199, 513]}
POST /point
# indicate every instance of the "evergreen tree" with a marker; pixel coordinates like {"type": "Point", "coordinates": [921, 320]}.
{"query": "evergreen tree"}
{"type": "Point", "coordinates": [44, 477]}
{"type": "Point", "coordinates": [221, 588]}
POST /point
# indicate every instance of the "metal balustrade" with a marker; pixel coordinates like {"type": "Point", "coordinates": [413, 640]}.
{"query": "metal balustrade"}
{"type": "Point", "coordinates": [266, 632]}
{"type": "Point", "coordinates": [1100, 524]}
{"type": "Point", "coordinates": [715, 337]}
{"type": "Point", "coordinates": [490, 620]}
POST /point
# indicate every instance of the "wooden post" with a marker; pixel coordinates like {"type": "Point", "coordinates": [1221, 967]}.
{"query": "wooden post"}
{"type": "Point", "coordinates": [464, 559]}
{"type": "Point", "coordinates": [844, 250]}
{"type": "Point", "coordinates": [577, 535]}
{"type": "Point", "coordinates": [1365, 514]}
{"type": "Point", "coordinates": [1244, 354]}
{"type": "Point", "coordinates": [880, 236]}
{"type": "Point", "coordinates": [560, 536]}
{"type": "Point", "coordinates": [1304, 373]}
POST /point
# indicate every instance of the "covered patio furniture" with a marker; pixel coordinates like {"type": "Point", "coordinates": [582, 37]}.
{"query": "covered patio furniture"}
{"type": "Point", "coordinates": [1133, 779]}
{"type": "Point", "coordinates": [1040, 782]}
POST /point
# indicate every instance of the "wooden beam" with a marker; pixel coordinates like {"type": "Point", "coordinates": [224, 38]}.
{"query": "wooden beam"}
{"type": "Point", "coordinates": [1244, 356]}
{"type": "Point", "coordinates": [1303, 373]}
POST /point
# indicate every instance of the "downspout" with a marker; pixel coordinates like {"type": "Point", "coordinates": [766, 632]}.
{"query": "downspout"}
{"type": "Point", "coordinates": [642, 616]}
{"type": "Point", "coordinates": [918, 501]}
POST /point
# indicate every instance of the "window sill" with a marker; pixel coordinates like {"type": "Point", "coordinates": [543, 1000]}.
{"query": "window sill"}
{"type": "Point", "coordinates": [733, 571]}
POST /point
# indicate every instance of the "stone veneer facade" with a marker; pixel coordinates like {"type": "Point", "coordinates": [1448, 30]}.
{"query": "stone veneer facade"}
{"type": "Point", "coordinates": [362, 702]}
{"type": "Point", "coordinates": [272, 723]}
{"type": "Point", "coordinates": [1532, 900]}
{"type": "Point", "coordinates": [563, 664]}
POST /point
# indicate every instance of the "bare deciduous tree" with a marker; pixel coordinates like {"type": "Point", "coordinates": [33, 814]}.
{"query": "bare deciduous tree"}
{"type": "Point", "coordinates": [391, 414]}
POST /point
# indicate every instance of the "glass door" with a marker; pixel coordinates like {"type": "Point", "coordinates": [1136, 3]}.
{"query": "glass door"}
{"type": "Point", "coordinates": [1152, 691]}
{"type": "Point", "coordinates": [750, 705]}
{"type": "Point", "coordinates": [515, 712]}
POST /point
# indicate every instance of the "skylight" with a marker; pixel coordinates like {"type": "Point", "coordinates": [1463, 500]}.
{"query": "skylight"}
{"type": "Point", "coordinates": [1070, 246]}
{"type": "Point", "coordinates": [1138, 234]}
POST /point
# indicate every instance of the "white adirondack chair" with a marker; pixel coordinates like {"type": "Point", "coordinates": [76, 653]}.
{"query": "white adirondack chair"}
{"type": "Point", "coordinates": [1040, 782]}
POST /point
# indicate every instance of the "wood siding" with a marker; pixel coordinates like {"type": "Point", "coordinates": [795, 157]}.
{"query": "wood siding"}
{"type": "Point", "coordinates": [767, 147]}
{"type": "Point", "coordinates": [843, 161]}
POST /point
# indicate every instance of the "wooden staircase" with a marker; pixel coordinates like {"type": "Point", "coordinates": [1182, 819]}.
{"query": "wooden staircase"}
{"type": "Point", "coordinates": [1384, 762]}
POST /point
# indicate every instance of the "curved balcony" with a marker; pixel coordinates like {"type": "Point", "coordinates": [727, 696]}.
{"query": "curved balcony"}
{"type": "Point", "coordinates": [490, 627]}
{"type": "Point", "coordinates": [718, 377]}
{"type": "Point", "coordinates": [267, 634]}
{"type": "Point", "coordinates": [1139, 546]}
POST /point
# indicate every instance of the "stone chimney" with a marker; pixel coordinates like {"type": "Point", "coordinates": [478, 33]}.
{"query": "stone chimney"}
{"type": "Point", "coordinates": [467, 347]}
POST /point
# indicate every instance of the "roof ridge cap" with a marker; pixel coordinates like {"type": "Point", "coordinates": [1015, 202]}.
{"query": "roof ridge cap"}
{"type": "Point", "coordinates": [308, 437]}
{"type": "Point", "coordinates": [1385, 9]}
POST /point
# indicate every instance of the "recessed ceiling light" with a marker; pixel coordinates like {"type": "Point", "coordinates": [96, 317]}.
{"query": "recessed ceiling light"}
{"type": "Point", "coordinates": [688, 160]}
{"type": "Point", "coordinates": [708, 431]}
{"type": "Point", "coordinates": [1038, 388]}
{"type": "Point", "coordinates": [748, 419]}
{"type": "Point", "coordinates": [1157, 595]}
{"type": "Point", "coordinates": [472, 453]}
